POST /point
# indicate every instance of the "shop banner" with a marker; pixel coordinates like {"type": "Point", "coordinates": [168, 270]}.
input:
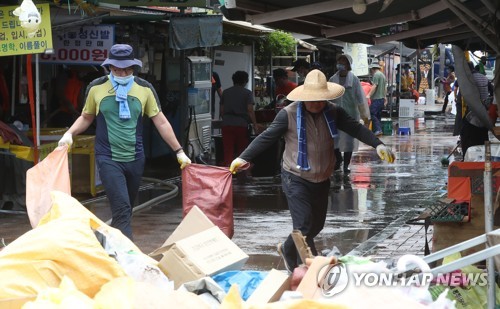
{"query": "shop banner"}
{"type": "Point", "coordinates": [424, 75]}
{"type": "Point", "coordinates": [81, 45]}
{"type": "Point", "coordinates": [13, 37]}
{"type": "Point", "coordinates": [359, 54]}
{"type": "Point", "coordinates": [192, 32]}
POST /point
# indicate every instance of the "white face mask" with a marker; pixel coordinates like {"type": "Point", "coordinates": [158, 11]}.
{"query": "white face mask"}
{"type": "Point", "coordinates": [123, 80]}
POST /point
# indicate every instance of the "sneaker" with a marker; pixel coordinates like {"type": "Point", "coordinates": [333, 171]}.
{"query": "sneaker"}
{"type": "Point", "coordinates": [378, 133]}
{"type": "Point", "coordinates": [281, 252]}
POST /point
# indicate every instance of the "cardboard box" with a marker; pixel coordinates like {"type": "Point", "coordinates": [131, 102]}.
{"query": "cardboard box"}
{"type": "Point", "coordinates": [271, 288]}
{"type": "Point", "coordinates": [308, 286]}
{"type": "Point", "coordinates": [196, 249]}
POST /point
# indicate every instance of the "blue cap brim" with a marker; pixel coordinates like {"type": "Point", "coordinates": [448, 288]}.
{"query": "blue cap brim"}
{"type": "Point", "coordinates": [122, 63]}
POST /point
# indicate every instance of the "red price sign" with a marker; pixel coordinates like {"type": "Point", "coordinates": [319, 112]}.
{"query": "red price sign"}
{"type": "Point", "coordinates": [83, 45]}
{"type": "Point", "coordinates": [74, 55]}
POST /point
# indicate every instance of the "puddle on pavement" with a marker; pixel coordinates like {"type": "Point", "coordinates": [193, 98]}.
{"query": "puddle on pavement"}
{"type": "Point", "coordinates": [360, 206]}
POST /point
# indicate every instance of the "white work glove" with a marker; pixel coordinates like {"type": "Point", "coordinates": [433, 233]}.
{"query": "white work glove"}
{"type": "Point", "coordinates": [183, 159]}
{"type": "Point", "coordinates": [66, 139]}
{"type": "Point", "coordinates": [385, 153]}
{"type": "Point", "coordinates": [236, 165]}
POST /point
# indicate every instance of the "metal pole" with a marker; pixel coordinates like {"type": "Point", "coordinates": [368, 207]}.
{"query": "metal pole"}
{"type": "Point", "coordinates": [488, 222]}
{"type": "Point", "coordinates": [442, 64]}
{"type": "Point", "coordinates": [37, 99]}
{"type": "Point", "coordinates": [400, 67]}
{"type": "Point", "coordinates": [13, 92]}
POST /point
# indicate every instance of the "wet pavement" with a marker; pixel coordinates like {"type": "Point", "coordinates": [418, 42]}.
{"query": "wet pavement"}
{"type": "Point", "coordinates": [367, 209]}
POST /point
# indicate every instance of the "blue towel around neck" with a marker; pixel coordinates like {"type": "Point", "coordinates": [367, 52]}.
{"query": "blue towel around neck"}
{"type": "Point", "coordinates": [302, 161]}
{"type": "Point", "coordinates": [121, 97]}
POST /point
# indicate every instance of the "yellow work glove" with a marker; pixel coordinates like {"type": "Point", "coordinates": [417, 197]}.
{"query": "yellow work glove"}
{"type": "Point", "coordinates": [236, 165]}
{"type": "Point", "coordinates": [183, 159]}
{"type": "Point", "coordinates": [385, 153]}
{"type": "Point", "coordinates": [66, 139]}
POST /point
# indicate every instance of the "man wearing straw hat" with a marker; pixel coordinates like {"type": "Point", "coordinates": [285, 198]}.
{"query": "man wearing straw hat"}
{"type": "Point", "coordinates": [118, 102]}
{"type": "Point", "coordinates": [309, 126]}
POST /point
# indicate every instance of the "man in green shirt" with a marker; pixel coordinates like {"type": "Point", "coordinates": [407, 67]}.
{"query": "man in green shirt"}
{"type": "Point", "coordinates": [118, 102]}
{"type": "Point", "coordinates": [377, 95]}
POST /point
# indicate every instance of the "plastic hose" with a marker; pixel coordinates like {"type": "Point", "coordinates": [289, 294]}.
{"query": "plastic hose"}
{"type": "Point", "coordinates": [154, 201]}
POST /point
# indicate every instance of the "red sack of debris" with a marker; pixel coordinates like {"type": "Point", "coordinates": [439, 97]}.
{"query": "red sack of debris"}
{"type": "Point", "coordinates": [52, 173]}
{"type": "Point", "coordinates": [211, 189]}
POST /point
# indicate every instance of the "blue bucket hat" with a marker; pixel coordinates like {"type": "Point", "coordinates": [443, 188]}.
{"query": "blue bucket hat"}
{"type": "Point", "coordinates": [121, 56]}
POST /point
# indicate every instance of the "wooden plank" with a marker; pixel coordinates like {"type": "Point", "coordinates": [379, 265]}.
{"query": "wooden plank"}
{"type": "Point", "coordinates": [301, 245]}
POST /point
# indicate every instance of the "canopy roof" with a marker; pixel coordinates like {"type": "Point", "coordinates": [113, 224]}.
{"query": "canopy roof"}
{"type": "Point", "coordinates": [469, 24]}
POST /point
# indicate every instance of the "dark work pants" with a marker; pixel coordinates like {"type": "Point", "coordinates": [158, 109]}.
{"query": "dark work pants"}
{"type": "Point", "coordinates": [470, 135]}
{"type": "Point", "coordinates": [445, 104]}
{"type": "Point", "coordinates": [308, 203]}
{"type": "Point", "coordinates": [376, 114]}
{"type": "Point", "coordinates": [121, 181]}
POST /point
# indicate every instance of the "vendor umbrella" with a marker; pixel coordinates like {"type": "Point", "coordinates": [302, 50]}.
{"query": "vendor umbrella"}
{"type": "Point", "coordinates": [468, 88]}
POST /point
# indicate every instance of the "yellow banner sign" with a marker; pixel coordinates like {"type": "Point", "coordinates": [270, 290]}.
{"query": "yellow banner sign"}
{"type": "Point", "coordinates": [14, 39]}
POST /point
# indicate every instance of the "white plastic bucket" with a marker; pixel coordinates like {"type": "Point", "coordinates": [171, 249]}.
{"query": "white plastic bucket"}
{"type": "Point", "coordinates": [430, 97]}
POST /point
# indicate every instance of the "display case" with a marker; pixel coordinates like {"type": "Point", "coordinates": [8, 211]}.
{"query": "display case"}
{"type": "Point", "coordinates": [199, 94]}
{"type": "Point", "coordinates": [199, 99]}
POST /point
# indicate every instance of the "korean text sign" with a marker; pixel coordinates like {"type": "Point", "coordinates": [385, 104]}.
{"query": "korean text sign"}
{"type": "Point", "coordinates": [81, 45]}
{"type": "Point", "coordinates": [13, 38]}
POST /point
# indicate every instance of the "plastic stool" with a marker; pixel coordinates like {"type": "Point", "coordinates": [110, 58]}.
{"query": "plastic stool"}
{"type": "Point", "coordinates": [404, 131]}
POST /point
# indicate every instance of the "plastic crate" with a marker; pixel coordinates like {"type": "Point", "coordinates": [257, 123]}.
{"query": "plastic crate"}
{"type": "Point", "coordinates": [450, 212]}
{"type": "Point", "coordinates": [407, 123]}
{"type": "Point", "coordinates": [387, 126]}
{"type": "Point", "coordinates": [28, 153]}
{"type": "Point", "coordinates": [407, 108]}
{"type": "Point", "coordinates": [84, 173]}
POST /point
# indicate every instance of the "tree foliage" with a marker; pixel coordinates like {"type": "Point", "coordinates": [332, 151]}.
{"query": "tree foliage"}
{"type": "Point", "coordinates": [276, 43]}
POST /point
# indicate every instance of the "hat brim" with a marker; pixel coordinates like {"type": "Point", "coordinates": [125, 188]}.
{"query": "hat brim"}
{"type": "Point", "coordinates": [122, 63]}
{"type": "Point", "coordinates": [308, 95]}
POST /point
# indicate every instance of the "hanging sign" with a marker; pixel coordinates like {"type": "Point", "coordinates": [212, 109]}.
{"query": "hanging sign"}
{"type": "Point", "coordinates": [14, 38]}
{"type": "Point", "coordinates": [359, 54]}
{"type": "Point", "coordinates": [81, 45]}
{"type": "Point", "coordinates": [169, 3]}
{"type": "Point", "coordinates": [424, 75]}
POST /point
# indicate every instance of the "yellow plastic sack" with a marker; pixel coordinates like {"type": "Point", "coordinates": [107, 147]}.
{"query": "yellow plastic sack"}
{"type": "Point", "coordinates": [469, 297]}
{"type": "Point", "coordinates": [125, 293]}
{"type": "Point", "coordinates": [65, 206]}
{"type": "Point", "coordinates": [62, 244]}
{"type": "Point", "coordinates": [50, 174]}
{"type": "Point", "coordinates": [65, 297]}
{"type": "Point", "coordinates": [233, 300]}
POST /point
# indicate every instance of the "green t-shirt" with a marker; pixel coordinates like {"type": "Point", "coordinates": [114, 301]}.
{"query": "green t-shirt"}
{"type": "Point", "coordinates": [118, 139]}
{"type": "Point", "coordinates": [380, 82]}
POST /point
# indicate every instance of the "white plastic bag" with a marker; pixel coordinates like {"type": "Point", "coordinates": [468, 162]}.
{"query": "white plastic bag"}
{"type": "Point", "coordinates": [136, 264]}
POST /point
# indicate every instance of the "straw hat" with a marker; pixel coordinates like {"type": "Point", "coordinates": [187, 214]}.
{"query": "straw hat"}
{"type": "Point", "coordinates": [316, 88]}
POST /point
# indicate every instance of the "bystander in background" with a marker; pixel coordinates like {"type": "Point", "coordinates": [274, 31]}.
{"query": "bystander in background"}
{"type": "Point", "coordinates": [237, 108]}
{"type": "Point", "coordinates": [354, 103]}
